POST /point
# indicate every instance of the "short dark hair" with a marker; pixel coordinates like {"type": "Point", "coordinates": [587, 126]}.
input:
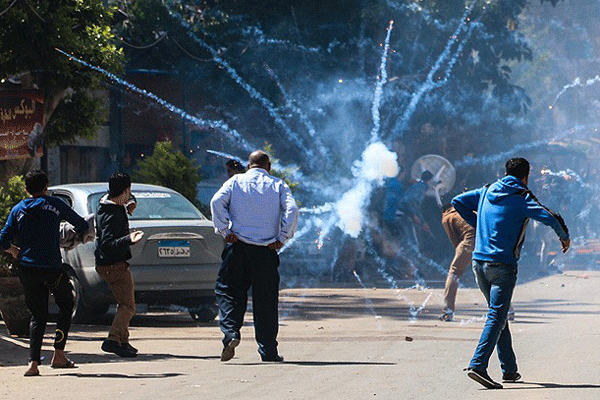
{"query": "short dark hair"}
{"type": "Point", "coordinates": [117, 183]}
{"type": "Point", "coordinates": [35, 181]}
{"type": "Point", "coordinates": [517, 167]}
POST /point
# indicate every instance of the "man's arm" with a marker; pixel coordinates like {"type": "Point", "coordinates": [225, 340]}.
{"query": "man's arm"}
{"type": "Point", "coordinates": [219, 208]}
{"type": "Point", "coordinates": [9, 231]}
{"type": "Point", "coordinates": [541, 213]}
{"type": "Point", "coordinates": [466, 205]}
{"type": "Point", "coordinates": [108, 225]}
{"type": "Point", "coordinates": [289, 214]}
{"type": "Point", "coordinates": [69, 215]}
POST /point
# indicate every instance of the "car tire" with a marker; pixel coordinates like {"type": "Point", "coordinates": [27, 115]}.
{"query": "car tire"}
{"type": "Point", "coordinates": [205, 312]}
{"type": "Point", "coordinates": [82, 312]}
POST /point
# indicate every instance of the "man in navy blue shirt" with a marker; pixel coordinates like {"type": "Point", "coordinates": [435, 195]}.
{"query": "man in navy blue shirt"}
{"type": "Point", "coordinates": [500, 213]}
{"type": "Point", "coordinates": [34, 225]}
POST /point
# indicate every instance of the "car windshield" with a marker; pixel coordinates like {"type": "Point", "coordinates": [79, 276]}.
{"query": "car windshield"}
{"type": "Point", "coordinates": [156, 205]}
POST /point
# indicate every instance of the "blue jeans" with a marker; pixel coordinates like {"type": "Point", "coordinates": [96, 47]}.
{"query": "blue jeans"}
{"type": "Point", "coordinates": [497, 283]}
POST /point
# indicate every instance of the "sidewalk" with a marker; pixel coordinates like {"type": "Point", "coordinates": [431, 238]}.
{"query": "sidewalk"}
{"type": "Point", "coordinates": [337, 344]}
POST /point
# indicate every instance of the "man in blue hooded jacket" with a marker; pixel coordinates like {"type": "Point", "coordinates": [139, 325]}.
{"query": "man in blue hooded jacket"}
{"type": "Point", "coordinates": [500, 213]}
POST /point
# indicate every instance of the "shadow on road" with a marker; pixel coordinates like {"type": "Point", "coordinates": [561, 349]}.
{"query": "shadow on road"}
{"type": "Point", "coordinates": [320, 363]}
{"type": "Point", "coordinates": [548, 385]}
{"type": "Point", "coordinates": [125, 376]}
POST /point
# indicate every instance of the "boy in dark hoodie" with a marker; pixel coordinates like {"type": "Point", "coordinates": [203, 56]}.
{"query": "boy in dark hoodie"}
{"type": "Point", "coordinates": [500, 212]}
{"type": "Point", "coordinates": [34, 224]}
{"type": "Point", "coordinates": [112, 252]}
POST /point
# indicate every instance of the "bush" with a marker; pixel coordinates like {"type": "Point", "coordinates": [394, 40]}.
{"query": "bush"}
{"type": "Point", "coordinates": [170, 168]}
{"type": "Point", "coordinates": [10, 195]}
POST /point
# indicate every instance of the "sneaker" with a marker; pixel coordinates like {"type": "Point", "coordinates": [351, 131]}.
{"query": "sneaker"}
{"type": "Point", "coordinates": [276, 358]}
{"type": "Point", "coordinates": [483, 378]}
{"type": "Point", "coordinates": [110, 346]}
{"type": "Point", "coordinates": [511, 315]}
{"type": "Point", "coordinates": [511, 377]}
{"type": "Point", "coordinates": [229, 350]}
{"type": "Point", "coordinates": [129, 347]}
{"type": "Point", "coordinates": [447, 316]}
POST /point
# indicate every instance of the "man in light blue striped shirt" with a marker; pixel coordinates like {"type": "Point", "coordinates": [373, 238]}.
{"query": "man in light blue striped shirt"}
{"type": "Point", "coordinates": [255, 213]}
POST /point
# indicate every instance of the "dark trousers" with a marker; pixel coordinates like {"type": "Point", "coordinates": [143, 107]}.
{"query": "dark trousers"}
{"type": "Point", "coordinates": [246, 266]}
{"type": "Point", "coordinates": [38, 283]}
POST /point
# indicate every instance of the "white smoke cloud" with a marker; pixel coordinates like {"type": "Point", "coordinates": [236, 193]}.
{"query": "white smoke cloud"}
{"type": "Point", "coordinates": [377, 163]}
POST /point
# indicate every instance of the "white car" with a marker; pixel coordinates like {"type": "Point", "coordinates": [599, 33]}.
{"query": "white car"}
{"type": "Point", "coordinates": [176, 262]}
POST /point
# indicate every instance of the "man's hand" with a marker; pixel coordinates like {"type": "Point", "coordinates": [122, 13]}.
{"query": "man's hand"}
{"type": "Point", "coordinates": [136, 236]}
{"type": "Point", "coordinates": [565, 245]}
{"type": "Point", "coordinates": [276, 245]}
{"type": "Point", "coordinates": [231, 238]}
{"type": "Point", "coordinates": [13, 251]}
{"type": "Point", "coordinates": [131, 207]}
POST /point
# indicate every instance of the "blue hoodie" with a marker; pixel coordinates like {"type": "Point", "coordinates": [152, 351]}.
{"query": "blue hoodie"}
{"type": "Point", "coordinates": [500, 213]}
{"type": "Point", "coordinates": [35, 223]}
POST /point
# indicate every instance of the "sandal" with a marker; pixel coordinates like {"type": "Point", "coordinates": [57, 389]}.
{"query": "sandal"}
{"type": "Point", "coordinates": [67, 364]}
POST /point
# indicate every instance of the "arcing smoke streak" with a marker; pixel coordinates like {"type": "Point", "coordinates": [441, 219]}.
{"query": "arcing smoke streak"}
{"type": "Point", "coordinates": [485, 160]}
{"type": "Point", "coordinates": [382, 80]}
{"type": "Point", "coordinates": [429, 84]}
{"type": "Point", "coordinates": [270, 107]}
{"type": "Point", "coordinates": [200, 122]}
{"type": "Point", "coordinates": [576, 82]}
{"type": "Point", "coordinates": [261, 39]}
{"type": "Point", "coordinates": [225, 155]}
{"type": "Point", "coordinates": [303, 118]}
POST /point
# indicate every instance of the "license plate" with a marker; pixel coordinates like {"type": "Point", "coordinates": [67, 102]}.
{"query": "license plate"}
{"type": "Point", "coordinates": [174, 248]}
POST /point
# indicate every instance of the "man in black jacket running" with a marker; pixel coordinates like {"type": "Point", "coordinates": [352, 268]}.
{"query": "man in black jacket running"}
{"type": "Point", "coordinates": [112, 252]}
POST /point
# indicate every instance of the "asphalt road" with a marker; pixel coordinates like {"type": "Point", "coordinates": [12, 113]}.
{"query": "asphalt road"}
{"type": "Point", "coordinates": [337, 344]}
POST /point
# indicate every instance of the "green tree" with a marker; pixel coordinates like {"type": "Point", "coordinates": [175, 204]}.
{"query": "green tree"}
{"type": "Point", "coordinates": [170, 168]}
{"type": "Point", "coordinates": [30, 33]}
{"type": "Point", "coordinates": [10, 195]}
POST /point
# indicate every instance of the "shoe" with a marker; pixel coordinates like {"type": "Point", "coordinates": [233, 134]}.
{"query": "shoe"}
{"type": "Point", "coordinates": [511, 315]}
{"type": "Point", "coordinates": [511, 377]}
{"type": "Point", "coordinates": [229, 350]}
{"type": "Point", "coordinates": [276, 358]}
{"type": "Point", "coordinates": [447, 316]}
{"type": "Point", "coordinates": [110, 346]}
{"type": "Point", "coordinates": [483, 378]}
{"type": "Point", "coordinates": [129, 347]}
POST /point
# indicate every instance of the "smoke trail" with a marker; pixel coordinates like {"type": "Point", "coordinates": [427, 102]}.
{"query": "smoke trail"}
{"type": "Point", "coordinates": [260, 38]}
{"type": "Point", "coordinates": [379, 88]}
{"type": "Point", "coordinates": [269, 106]}
{"type": "Point", "coordinates": [303, 117]}
{"type": "Point", "coordinates": [469, 161]}
{"type": "Point", "coordinates": [429, 84]}
{"type": "Point", "coordinates": [199, 122]}
{"type": "Point", "coordinates": [576, 82]}
{"type": "Point", "coordinates": [367, 300]}
{"type": "Point", "coordinates": [225, 155]}
{"type": "Point", "coordinates": [416, 312]}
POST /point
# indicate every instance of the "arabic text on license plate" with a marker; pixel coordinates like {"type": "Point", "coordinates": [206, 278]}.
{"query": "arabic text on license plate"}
{"type": "Point", "coordinates": [173, 248]}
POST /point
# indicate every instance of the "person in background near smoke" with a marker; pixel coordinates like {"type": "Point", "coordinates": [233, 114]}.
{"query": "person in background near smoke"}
{"type": "Point", "coordinates": [500, 212]}
{"type": "Point", "coordinates": [234, 167]}
{"type": "Point", "coordinates": [411, 204]}
{"type": "Point", "coordinates": [393, 194]}
{"type": "Point", "coordinates": [462, 237]}
{"type": "Point", "coordinates": [113, 240]}
{"type": "Point", "coordinates": [255, 213]}
{"type": "Point", "coordinates": [35, 223]}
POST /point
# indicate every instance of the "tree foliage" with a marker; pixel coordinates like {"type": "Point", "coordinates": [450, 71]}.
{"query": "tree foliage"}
{"type": "Point", "coordinates": [10, 195]}
{"type": "Point", "coordinates": [30, 33]}
{"type": "Point", "coordinates": [170, 168]}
